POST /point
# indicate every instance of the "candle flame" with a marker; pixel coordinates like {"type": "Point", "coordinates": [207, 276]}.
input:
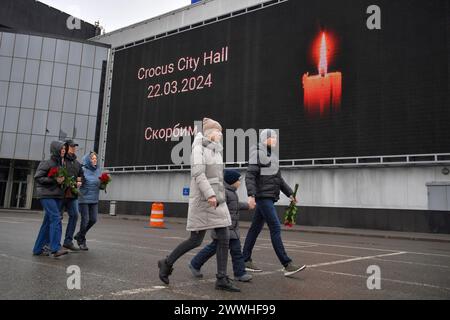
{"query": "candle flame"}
{"type": "Point", "coordinates": [323, 63]}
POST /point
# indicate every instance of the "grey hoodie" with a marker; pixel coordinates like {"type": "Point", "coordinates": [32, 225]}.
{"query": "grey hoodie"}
{"type": "Point", "coordinates": [46, 187]}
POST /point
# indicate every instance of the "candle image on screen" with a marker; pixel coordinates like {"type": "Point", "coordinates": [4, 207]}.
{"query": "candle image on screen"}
{"type": "Point", "coordinates": [322, 92]}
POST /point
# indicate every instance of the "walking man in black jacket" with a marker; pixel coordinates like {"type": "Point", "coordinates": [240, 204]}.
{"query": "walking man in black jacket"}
{"type": "Point", "coordinates": [70, 202]}
{"type": "Point", "coordinates": [264, 182]}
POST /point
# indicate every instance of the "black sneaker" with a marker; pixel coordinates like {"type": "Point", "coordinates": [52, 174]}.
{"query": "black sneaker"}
{"type": "Point", "coordinates": [59, 253]}
{"type": "Point", "coordinates": [43, 253]}
{"type": "Point", "coordinates": [71, 247]}
{"type": "Point", "coordinates": [226, 284]}
{"type": "Point", "coordinates": [83, 247]}
{"type": "Point", "coordinates": [164, 271]}
{"type": "Point", "coordinates": [250, 266]}
{"type": "Point", "coordinates": [291, 269]}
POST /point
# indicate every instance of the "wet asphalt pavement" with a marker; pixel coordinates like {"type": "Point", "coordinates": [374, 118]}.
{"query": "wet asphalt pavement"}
{"type": "Point", "coordinates": [121, 264]}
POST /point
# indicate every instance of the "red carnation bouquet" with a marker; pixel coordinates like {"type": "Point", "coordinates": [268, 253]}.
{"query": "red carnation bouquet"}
{"type": "Point", "coordinates": [290, 215]}
{"type": "Point", "coordinates": [69, 184]}
{"type": "Point", "coordinates": [105, 179]}
{"type": "Point", "coordinates": [54, 172]}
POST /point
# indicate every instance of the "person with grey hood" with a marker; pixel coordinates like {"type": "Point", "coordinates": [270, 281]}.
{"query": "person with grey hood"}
{"type": "Point", "coordinates": [50, 192]}
{"type": "Point", "coordinates": [207, 207]}
{"type": "Point", "coordinates": [264, 183]}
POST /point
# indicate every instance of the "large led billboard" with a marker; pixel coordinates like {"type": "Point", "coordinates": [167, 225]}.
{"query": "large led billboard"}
{"type": "Point", "coordinates": [340, 78]}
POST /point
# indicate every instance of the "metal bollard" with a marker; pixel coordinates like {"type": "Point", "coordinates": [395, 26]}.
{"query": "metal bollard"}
{"type": "Point", "coordinates": [112, 208]}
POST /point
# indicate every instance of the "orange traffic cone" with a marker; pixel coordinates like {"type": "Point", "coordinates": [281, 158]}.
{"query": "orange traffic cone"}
{"type": "Point", "coordinates": [157, 215]}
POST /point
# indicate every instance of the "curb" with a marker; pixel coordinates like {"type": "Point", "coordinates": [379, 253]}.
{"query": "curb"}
{"type": "Point", "coordinates": [350, 232]}
{"type": "Point", "coordinates": [298, 229]}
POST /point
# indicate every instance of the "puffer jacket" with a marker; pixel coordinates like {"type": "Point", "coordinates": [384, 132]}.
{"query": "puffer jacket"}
{"type": "Point", "coordinates": [269, 183]}
{"type": "Point", "coordinates": [234, 206]}
{"type": "Point", "coordinates": [89, 190]}
{"type": "Point", "coordinates": [74, 169]}
{"type": "Point", "coordinates": [206, 181]}
{"type": "Point", "coordinates": [46, 187]}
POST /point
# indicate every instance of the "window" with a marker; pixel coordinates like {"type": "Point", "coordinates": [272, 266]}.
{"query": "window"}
{"type": "Point", "coordinates": [70, 100]}
{"type": "Point", "coordinates": [29, 95]}
{"type": "Point", "coordinates": [3, 94]}
{"type": "Point", "coordinates": [18, 70]}
{"type": "Point", "coordinates": [94, 104]}
{"type": "Point", "coordinates": [92, 127]}
{"type": "Point", "coordinates": [48, 49]}
{"type": "Point", "coordinates": [59, 75]}
{"type": "Point", "coordinates": [83, 102]}
{"type": "Point", "coordinates": [34, 48]}
{"type": "Point", "coordinates": [86, 79]}
{"type": "Point", "coordinates": [7, 145]}
{"type": "Point", "coordinates": [21, 46]}
{"type": "Point", "coordinates": [25, 120]}
{"type": "Point", "coordinates": [14, 94]}
{"type": "Point", "coordinates": [56, 99]}
{"type": "Point", "coordinates": [100, 55]}
{"type": "Point", "coordinates": [36, 148]}
{"type": "Point", "coordinates": [62, 51]}
{"type": "Point", "coordinates": [11, 120]}
{"type": "Point", "coordinates": [88, 56]}
{"type": "Point", "coordinates": [42, 97]}
{"type": "Point", "coordinates": [2, 117]}
{"type": "Point", "coordinates": [5, 68]}
{"type": "Point", "coordinates": [32, 71]}
{"type": "Point", "coordinates": [75, 53]}
{"type": "Point", "coordinates": [67, 124]}
{"type": "Point", "coordinates": [22, 146]}
{"type": "Point", "coordinates": [81, 125]}
{"type": "Point", "coordinates": [96, 80]}
{"type": "Point", "coordinates": [54, 123]}
{"type": "Point", "coordinates": [39, 122]}
{"type": "Point", "coordinates": [73, 76]}
{"type": "Point", "coordinates": [45, 73]}
{"type": "Point", "coordinates": [7, 44]}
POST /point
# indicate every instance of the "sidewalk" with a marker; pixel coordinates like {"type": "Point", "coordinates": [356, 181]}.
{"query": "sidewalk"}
{"type": "Point", "coordinates": [307, 229]}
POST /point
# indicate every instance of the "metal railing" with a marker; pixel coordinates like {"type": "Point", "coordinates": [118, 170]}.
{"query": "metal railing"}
{"type": "Point", "coordinates": [332, 163]}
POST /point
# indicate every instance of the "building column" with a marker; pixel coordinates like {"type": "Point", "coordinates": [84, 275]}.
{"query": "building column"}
{"type": "Point", "coordinates": [9, 185]}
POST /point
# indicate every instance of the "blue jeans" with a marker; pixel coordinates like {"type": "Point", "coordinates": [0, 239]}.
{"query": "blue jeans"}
{"type": "Point", "coordinates": [72, 210]}
{"type": "Point", "coordinates": [51, 228]}
{"type": "Point", "coordinates": [88, 213]}
{"type": "Point", "coordinates": [210, 250]}
{"type": "Point", "coordinates": [265, 212]}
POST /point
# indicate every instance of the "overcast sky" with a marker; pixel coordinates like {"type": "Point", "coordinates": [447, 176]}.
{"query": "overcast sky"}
{"type": "Point", "coordinates": [116, 14]}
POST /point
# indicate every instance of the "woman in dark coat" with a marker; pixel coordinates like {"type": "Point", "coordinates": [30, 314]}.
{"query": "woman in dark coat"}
{"type": "Point", "coordinates": [50, 192]}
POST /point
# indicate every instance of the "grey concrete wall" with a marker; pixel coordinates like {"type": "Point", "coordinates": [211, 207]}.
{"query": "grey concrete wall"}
{"type": "Point", "coordinates": [381, 188]}
{"type": "Point", "coordinates": [174, 20]}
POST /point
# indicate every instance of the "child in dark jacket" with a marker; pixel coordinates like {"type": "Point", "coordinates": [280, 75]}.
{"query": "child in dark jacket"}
{"type": "Point", "coordinates": [231, 184]}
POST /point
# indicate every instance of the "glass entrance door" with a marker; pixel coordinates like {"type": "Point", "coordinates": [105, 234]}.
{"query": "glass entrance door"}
{"type": "Point", "coordinates": [19, 189]}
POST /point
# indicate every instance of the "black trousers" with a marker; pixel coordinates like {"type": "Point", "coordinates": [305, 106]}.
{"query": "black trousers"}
{"type": "Point", "coordinates": [196, 239]}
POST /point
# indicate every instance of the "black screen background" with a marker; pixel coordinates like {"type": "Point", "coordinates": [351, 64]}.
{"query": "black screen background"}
{"type": "Point", "coordinates": [395, 96]}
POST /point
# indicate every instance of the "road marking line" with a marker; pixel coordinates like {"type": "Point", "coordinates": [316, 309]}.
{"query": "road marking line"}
{"type": "Point", "coordinates": [414, 263]}
{"type": "Point", "coordinates": [314, 252]}
{"type": "Point", "coordinates": [12, 222]}
{"type": "Point", "coordinates": [388, 280]}
{"type": "Point", "coordinates": [137, 291]}
{"type": "Point", "coordinates": [354, 259]}
{"type": "Point", "coordinates": [364, 248]}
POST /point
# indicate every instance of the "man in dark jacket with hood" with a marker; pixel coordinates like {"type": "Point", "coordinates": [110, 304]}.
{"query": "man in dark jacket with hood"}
{"type": "Point", "coordinates": [50, 193]}
{"type": "Point", "coordinates": [70, 202]}
{"type": "Point", "coordinates": [264, 183]}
